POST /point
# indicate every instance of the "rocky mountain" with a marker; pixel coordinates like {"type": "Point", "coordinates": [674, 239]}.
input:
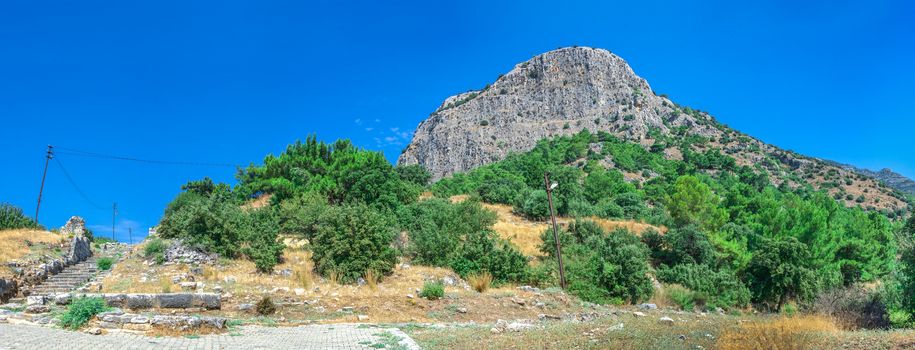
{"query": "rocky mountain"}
{"type": "Point", "coordinates": [563, 91]}
{"type": "Point", "coordinates": [887, 176]}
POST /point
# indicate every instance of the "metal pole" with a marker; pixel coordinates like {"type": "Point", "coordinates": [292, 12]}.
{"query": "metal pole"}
{"type": "Point", "coordinates": [129, 235]}
{"type": "Point", "coordinates": [47, 159]}
{"type": "Point", "coordinates": [549, 197]}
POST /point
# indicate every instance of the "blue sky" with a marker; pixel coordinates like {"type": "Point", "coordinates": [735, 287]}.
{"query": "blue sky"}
{"type": "Point", "coordinates": [229, 81]}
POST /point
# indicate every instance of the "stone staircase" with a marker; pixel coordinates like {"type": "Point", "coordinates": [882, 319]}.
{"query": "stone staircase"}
{"type": "Point", "coordinates": [67, 280]}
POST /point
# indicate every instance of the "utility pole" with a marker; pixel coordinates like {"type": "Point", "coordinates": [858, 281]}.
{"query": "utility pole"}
{"type": "Point", "coordinates": [129, 235]}
{"type": "Point", "coordinates": [549, 197]}
{"type": "Point", "coordinates": [114, 212]}
{"type": "Point", "coordinates": [47, 159]}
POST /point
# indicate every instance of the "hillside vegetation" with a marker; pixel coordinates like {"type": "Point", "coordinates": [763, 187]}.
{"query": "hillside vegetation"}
{"type": "Point", "coordinates": [715, 234]}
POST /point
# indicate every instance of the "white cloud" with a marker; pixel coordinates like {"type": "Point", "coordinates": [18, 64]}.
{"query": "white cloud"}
{"type": "Point", "coordinates": [369, 129]}
{"type": "Point", "coordinates": [358, 121]}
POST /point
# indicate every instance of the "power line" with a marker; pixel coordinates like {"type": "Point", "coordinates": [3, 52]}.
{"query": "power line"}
{"type": "Point", "coordinates": [74, 152]}
{"type": "Point", "coordinates": [75, 186]}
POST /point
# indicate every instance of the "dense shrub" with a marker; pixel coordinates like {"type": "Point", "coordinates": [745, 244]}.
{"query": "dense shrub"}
{"type": "Point", "coordinates": [534, 205]}
{"type": "Point", "coordinates": [460, 236]}
{"type": "Point", "coordinates": [432, 291]}
{"type": "Point", "coordinates": [484, 251]}
{"type": "Point", "coordinates": [721, 288]}
{"type": "Point", "coordinates": [353, 239]}
{"type": "Point", "coordinates": [685, 245]}
{"type": "Point", "coordinates": [81, 310]}
{"type": "Point", "coordinates": [414, 174]}
{"type": "Point", "coordinates": [11, 217]}
{"type": "Point", "coordinates": [260, 239]}
{"type": "Point", "coordinates": [602, 267]}
{"type": "Point", "coordinates": [208, 217]}
{"type": "Point", "coordinates": [299, 215]}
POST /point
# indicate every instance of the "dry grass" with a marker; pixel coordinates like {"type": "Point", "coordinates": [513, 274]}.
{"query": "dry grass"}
{"type": "Point", "coordinates": [525, 234]}
{"type": "Point", "coordinates": [784, 333]}
{"type": "Point", "coordinates": [371, 279]}
{"type": "Point", "coordinates": [258, 202]}
{"type": "Point", "coordinates": [21, 243]}
{"type": "Point", "coordinates": [480, 282]}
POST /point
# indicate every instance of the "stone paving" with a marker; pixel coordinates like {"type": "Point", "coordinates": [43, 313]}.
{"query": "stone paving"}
{"type": "Point", "coordinates": [332, 336]}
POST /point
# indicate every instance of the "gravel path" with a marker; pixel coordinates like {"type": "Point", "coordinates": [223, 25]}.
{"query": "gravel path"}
{"type": "Point", "coordinates": [334, 336]}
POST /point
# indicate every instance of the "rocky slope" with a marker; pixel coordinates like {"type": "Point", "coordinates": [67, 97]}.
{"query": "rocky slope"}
{"type": "Point", "coordinates": [564, 91]}
{"type": "Point", "coordinates": [888, 176]}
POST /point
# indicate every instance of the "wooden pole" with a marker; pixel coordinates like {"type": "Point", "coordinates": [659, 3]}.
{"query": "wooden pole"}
{"type": "Point", "coordinates": [549, 197]}
{"type": "Point", "coordinates": [47, 159]}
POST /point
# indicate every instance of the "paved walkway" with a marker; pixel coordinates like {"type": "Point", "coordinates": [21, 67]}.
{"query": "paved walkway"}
{"type": "Point", "coordinates": [334, 336]}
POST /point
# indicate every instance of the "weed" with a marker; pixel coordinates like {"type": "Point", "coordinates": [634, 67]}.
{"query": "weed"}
{"type": "Point", "coordinates": [104, 264]}
{"type": "Point", "coordinates": [480, 282]}
{"type": "Point", "coordinates": [432, 290]}
{"type": "Point", "coordinates": [802, 332]}
{"type": "Point", "coordinates": [265, 306]}
{"type": "Point", "coordinates": [81, 310]}
{"type": "Point", "coordinates": [371, 278]}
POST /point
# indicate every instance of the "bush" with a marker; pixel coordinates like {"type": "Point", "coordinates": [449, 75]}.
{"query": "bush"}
{"type": "Point", "coordinates": [608, 268]}
{"type": "Point", "coordinates": [853, 308]}
{"type": "Point", "coordinates": [299, 215]}
{"type": "Point", "coordinates": [432, 291]}
{"type": "Point", "coordinates": [534, 205]}
{"type": "Point", "coordinates": [206, 216]}
{"type": "Point", "coordinates": [155, 249]}
{"type": "Point", "coordinates": [722, 288]}
{"type": "Point", "coordinates": [265, 306]}
{"type": "Point", "coordinates": [261, 235]}
{"type": "Point", "coordinates": [683, 297]}
{"type": "Point", "coordinates": [81, 310]}
{"type": "Point", "coordinates": [352, 239]}
{"type": "Point", "coordinates": [460, 236]}
{"type": "Point", "coordinates": [12, 217]}
{"type": "Point", "coordinates": [104, 264]}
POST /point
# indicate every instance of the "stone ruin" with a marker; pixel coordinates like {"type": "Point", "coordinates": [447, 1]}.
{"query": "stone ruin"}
{"type": "Point", "coordinates": [76, 226]}
{"type": "Point", "coordinates": [80, 248]}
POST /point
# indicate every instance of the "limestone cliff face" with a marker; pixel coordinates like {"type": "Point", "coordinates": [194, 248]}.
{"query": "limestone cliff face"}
{"type": "Point", "coordinates": [558, 92]}
{"type": "Point", "coordinates": [564, 91]}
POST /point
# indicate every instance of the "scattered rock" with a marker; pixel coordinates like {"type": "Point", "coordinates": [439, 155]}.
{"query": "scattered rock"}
{"type": "Point", "coordinates": [94, 331]}
{"type": "Point", "coordinates": [529, 289]}
{"type": "Point", "coordinates": [35, 300]}
{"type": "Point", "coordinates": [37, 309]}
{"type": "Point", "coordinates": [299, 291]}
{"type": "Point", "coordinates": [666, 320]}
{"type": "Point", "coordinates": [647, 306]}
{"type": "Point", "coordinates": [3, 319]}
{"type": "Point", "coordinates": [62, 299]}
{"type": "Point", "coordinates": [362, 318]}
{"type": "Point", "coordinates": [639, 314]}
{"type": "Point", "coordinates": [245, 307]}
{"type": "Point", "coordinates": [617, 327]}
{"type": "Point", "coordinates": [681, 337]}
{"type": "Point", "coordinates": [462, 310]}
{"type": "Point", "coordinates": [346, 309]}
{"type": "Point", "coordinates": [518, 301]}
{"type": "Point", "coordinates": [409, 296]}
{"type": "Point", "coordinates": [178, 252]}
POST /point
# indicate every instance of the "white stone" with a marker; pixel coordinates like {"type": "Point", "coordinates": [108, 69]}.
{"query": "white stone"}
{"type": "Point", "coordinates": [666, 320]}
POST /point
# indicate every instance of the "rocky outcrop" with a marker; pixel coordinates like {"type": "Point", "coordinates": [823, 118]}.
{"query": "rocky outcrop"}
{"type": "Point", "coordinates": [888, 176]}
{"type": "Point", "coordinates": [8, 289]}
{"type": "Point", "coordinates": [179, 252]}
{"type": "Point", "coordinates": [559, 92]}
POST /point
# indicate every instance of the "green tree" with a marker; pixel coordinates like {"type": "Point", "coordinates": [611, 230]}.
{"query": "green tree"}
{"type": "Point", "coordinates": [779, 271]}
{"type": "Point", "coordinates": [694, 203]}
{"type": "Point", "coordinates": [11, 217]}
